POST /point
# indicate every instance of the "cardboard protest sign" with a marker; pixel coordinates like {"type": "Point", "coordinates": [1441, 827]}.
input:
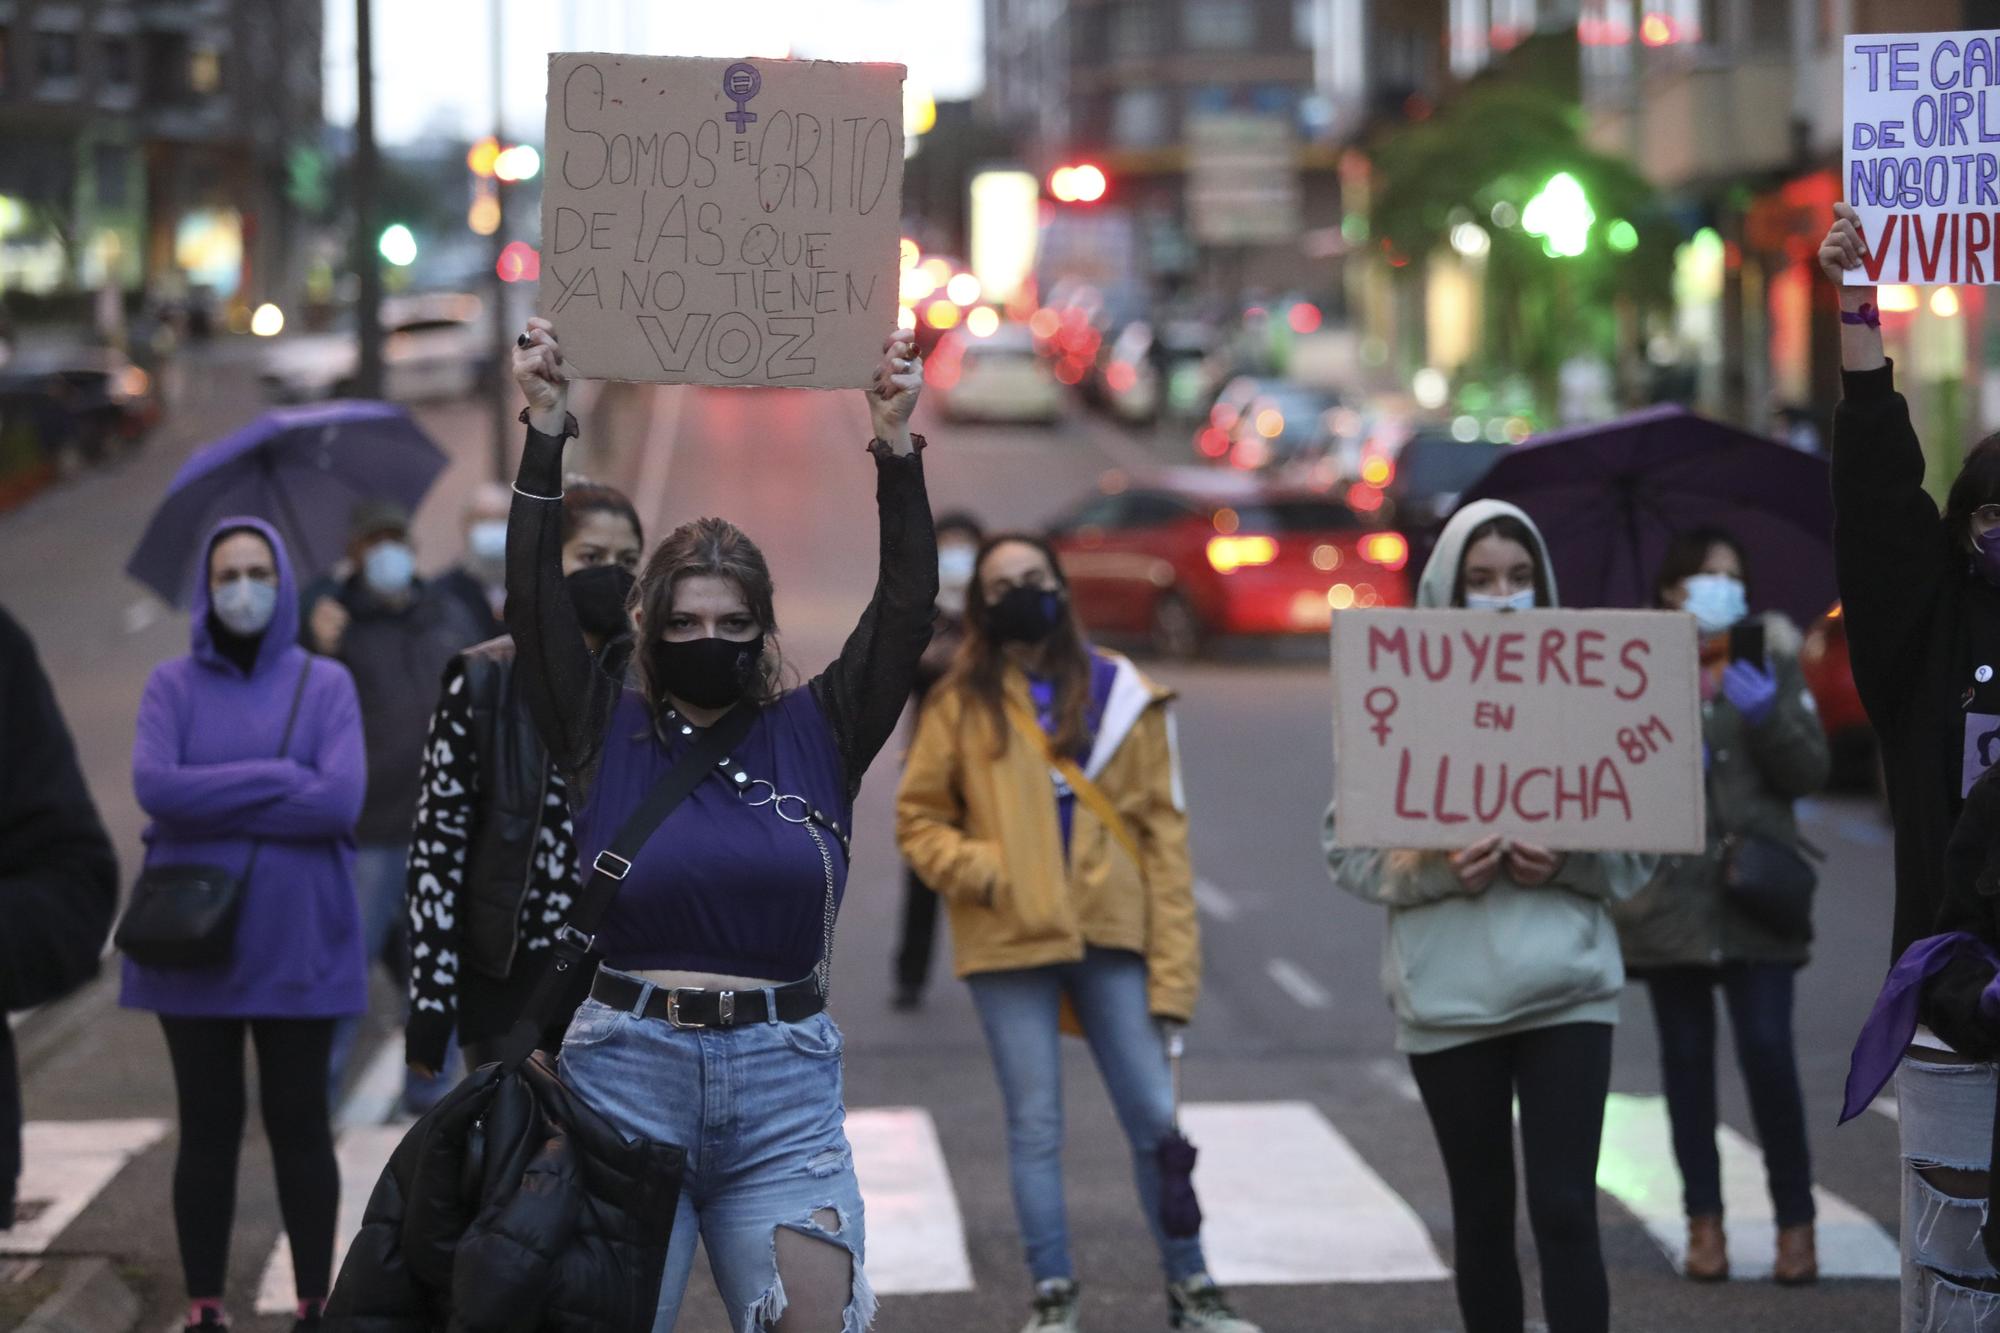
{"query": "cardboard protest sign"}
{"type": "Point", "coordinates": [1922, 155]}
{"type": "Point", "coordinates": [1574, 730]}
{"type": "Point", "coordinates": [722, 222]}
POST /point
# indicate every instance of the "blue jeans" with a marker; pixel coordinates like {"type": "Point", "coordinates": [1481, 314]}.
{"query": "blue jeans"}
{"type": "Point", "coordinates": [1020, 1012]}
{"type": "Point", "coordinates": [758, 1110]}
{"type": "Point", "coordinates": [380, 884]}
{"type": "Point", "coordinates": [1759, 996]}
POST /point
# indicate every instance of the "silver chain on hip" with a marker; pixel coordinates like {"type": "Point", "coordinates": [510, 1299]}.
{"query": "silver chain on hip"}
{"type": "Point", "coordinates": [824, 969]}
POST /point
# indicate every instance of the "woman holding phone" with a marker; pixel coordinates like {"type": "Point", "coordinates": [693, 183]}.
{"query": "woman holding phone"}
{"type": "Point", "coordinates": [1686, 935]}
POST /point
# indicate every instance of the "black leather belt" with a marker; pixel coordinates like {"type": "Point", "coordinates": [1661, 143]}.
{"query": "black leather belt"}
{"type": "Point", "coordinates": [700, 1007]}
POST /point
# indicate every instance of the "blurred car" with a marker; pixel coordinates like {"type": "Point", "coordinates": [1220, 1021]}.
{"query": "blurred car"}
{"type": "Point", "coordinates": [86, 399]}
{"type": "Point", "coordinates": [1830, 677]}
{"type": "Point", "coordinates": [995, 378]}
{"type": "Point", "coordinates": [1150, 373]}
{"type": "Point", "coordinates": [1431, 470]}
{"type": "Point", "coordinates": [432, 348]}
{"type": "Point", "coordinates": [1264, 423]}
{"type": "Point", "coordinates": [1189, 554]}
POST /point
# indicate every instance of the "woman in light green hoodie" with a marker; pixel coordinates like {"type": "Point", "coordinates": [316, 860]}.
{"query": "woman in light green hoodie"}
{"type": "Point", "coordinates": [1502, 966]}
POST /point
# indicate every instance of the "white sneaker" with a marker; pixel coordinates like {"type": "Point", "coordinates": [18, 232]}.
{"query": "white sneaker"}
{"type": "Point", "coordinates": [1055, 1308]}
{"type": "Point", "coordinates": [1198, 1304]}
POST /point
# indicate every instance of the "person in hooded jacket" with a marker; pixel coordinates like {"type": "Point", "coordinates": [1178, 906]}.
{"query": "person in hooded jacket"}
{"type": "Point", "coordinates": [1503, 969]}
{"type": "Point", "coordinates": [493, 859]}
{"type": "Point", "coordinates": [210, 772]}
{"type": "Point", "coordinates": [1685, 936]}
{"type": "Point", "coordinates": [1062, 895]}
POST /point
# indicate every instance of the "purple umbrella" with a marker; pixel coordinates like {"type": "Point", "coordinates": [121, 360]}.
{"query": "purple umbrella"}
{"type": "Point", "coordinates": [1609, 498]}
{"type": "Point", "coordinates": [301, 469]}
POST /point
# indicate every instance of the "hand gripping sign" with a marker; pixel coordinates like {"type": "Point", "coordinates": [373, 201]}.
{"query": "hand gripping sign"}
{"type": "Point", "coordinates": [1922, 155]}
{"type": "Point", "coordinates": [1572, 730]}
{"type": "Point", "coordinates": [722, 222]}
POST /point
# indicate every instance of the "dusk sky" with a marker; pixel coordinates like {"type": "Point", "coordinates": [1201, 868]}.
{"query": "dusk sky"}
{"type": "Point", "coordinates": [432, 60]}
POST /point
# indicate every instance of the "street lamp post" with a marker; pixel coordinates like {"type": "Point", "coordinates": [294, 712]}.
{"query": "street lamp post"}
{"type": "Point", "coordinates": [503, 420]}
{"type": "Point", "coordinates": [367, 264]}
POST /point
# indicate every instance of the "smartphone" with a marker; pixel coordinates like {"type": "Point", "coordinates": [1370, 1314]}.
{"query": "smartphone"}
{"type": "Point", "coordinates": [1746, 643]}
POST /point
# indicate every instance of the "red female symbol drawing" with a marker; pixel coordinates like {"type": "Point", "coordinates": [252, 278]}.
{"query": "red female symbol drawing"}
{"type": "Point", "coordinates": [1381, 703]}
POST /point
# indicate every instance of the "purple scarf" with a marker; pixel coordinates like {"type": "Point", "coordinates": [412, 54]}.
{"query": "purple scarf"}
{"type": "Point", "coordinates": [1892, 1023]}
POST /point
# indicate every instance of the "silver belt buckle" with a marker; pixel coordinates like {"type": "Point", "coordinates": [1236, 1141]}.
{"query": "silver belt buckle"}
{"type": "Point", "coordinates": [674, 1006]}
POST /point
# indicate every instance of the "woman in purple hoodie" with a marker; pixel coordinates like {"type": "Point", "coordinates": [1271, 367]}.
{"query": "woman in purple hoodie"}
{"type": "Point", "coordinates": [218, 777]}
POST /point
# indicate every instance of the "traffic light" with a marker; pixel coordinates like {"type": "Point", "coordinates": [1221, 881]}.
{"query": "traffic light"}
{"type": "Point", "coordinates": [1078, 183]}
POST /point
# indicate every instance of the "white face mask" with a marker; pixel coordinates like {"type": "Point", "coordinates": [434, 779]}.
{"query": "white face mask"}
{"type": "Point", "coordinates": [956, 566]}
{"type": "Point", "coordinates": [245, 606]}
{"type": "Point", "coordinates": [389, 568]}
{"type": "Point", "coordinates": [486, 540]}
{"type": "Point", "coordinates": [1523, 600]}
{"type": "Point", "coordinates": [1716, 601]}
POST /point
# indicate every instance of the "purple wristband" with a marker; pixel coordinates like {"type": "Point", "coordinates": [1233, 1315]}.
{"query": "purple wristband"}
{"type": "Point", "coordinates": [1867, 315]}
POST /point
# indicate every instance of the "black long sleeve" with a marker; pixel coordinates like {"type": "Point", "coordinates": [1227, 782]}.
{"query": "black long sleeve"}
{"type": "Point", "coordinates": [58, 874]}
{"type": "Point", "coordinates": [864, 690]}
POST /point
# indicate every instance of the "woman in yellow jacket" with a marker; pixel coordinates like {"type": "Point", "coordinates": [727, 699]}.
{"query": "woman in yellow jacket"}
{"type": "Point", "coordinates": [1043, 802]}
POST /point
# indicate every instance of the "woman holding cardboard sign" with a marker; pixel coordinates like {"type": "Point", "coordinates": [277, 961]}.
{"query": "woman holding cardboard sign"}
{"type": "Point", "coordinates": [1043, 802]}
{"type": "Point", "coordinates": [1502, 966]}
{"type": "Point", "coordinates": [728, 798]}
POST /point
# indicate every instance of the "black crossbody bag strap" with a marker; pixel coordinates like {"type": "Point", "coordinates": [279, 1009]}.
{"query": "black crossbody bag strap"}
{"type": "Point", "coordinates": [284, 745]}
{"type": "Point", "coordinates": [573, 943]}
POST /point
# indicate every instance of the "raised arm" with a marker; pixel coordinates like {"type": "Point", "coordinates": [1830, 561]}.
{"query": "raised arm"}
{"type": "Point", "coordinates": [568, 695]}
{"type": "Point", "coordinates": [863, 692]}
{"type": "Point", "coordinates": [1891, 550]}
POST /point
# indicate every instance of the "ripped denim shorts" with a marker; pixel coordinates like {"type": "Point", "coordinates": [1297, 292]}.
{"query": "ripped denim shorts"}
{"type": "Point", "coordinates": [758, 1109]}
{"type": "Point", "coordinates": [1945, 1117]}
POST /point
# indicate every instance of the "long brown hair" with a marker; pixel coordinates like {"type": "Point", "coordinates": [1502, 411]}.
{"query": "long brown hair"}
{"type": "Point", "coordinates": [718, 548]}
{"type": "Point", "coordinates": [980, 670]}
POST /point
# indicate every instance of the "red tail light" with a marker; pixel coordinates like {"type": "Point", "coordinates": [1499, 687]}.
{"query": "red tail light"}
{"type": "Point", "coordinates": [1229, 554]}
{"type": "Point", "coordinates": [1387, 549]}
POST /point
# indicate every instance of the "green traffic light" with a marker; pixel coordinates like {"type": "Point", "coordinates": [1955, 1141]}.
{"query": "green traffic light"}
{"type": "Point", "coordinates": [398, 245]}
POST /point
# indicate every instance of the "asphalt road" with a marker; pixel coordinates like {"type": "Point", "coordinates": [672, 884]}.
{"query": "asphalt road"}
{"type": "Point", "coordinates": [1329, 1198]}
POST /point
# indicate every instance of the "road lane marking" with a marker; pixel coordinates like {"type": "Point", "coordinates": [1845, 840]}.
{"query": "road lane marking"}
{"type": "Point", "coordinates": [916, 1234]}
{"type": "Point", "coordinates": [362, 1153]}
{"type": "Point", "coordinates": [1636, 1167]}
{"type": "Point", "coordinates": [1886, 1105]}
{"type": "Point", "coordinates": [1395, 1076]}
{"type": "Point", "coordinates": [1211, 898]}
{"type": "Point", "coordinates": [1288, 1201]}
{"type": "Point", "coordinates": [1293, 981]}
{"type": "Point", "coordinates": [379, 1091]}
{"type": "Point", "coordinates": [65, 1164]}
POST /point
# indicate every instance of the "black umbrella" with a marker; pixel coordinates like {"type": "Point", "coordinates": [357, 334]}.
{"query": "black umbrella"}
{"type": "Point", "coordinates": [1180, 1210]}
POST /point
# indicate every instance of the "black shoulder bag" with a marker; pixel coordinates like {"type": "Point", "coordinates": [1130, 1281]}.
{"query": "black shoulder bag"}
{"type": "Point", "coordinates": [185, 915]}
{"type": "Point", "coordinates": [512, 1148]}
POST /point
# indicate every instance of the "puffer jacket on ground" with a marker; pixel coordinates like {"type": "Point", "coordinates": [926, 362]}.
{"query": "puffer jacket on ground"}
{"type": "Point", "coordinates": [984, 832]}
{"type": "Point", "coordinates": [512, 1208]}
{"type": "Point", "coordinates": [1684, 918]}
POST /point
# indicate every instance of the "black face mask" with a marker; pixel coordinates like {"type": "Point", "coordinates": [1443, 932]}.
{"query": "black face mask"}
{"type": "Point", "coordinates": [1025, 615]}
{"type": "Point", "coordinates": [600, 593]}
{"type": "Point", "coordinates": [708, 673]}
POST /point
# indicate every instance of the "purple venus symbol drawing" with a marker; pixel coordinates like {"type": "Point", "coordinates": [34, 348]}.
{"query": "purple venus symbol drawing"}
{"type": "Point", "coordinates": [740, 83]}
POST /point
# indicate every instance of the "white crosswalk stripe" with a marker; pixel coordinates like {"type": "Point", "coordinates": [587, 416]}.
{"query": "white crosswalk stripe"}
{"type": "Point", "coordinates": [1636, 1167]}
{"type": "Point", "coordinates": [363, 1152]}
{"type": "Point", "coordinates": [66, 1163]}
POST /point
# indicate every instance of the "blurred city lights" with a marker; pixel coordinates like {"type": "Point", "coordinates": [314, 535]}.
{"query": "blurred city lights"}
{"type": "Point", "coordinates": [983, 322]}
{"type": "Point", "coordinates": [484, 215]}
{"type": "Point", "coordinates": [1623, 237]}
{"type": "Point", "coordinates": [1561, 215]}
{"type": "Point", "coordinates": [519, 163]}
{"type": "Point", "coordinates": [1364, 499]}
{"type": "Point", "coordinates": [963, 289]}
{"type": "Point", "coordinates": [1270, 423]}
{"type": "Point", "coordinates": [915, 284]}
{"type": "Point", "coordinates": [906, 318]}
{"type": "Point", "coordinates": [397, 245]}
{"type": "Point", "coordinates": [1226, 555]}
{"type": "Point", "coordinates": [1378, 470]}
{"type": "Point", "coordinates": [1465, 429]}
{"type": "Point", "coordinates": [1004, 224]}
{"type": "Point", "coordinates": [1391, 550]}
{"type": "Point", "coordinates": [1430, 388]}
{"type": "Point", "coordinates": [1304, 317]}
{"type": "Point", "coordinates": [482, 156]}
{"type": "Point", "coordinates": [919, 112]}
{"type": "Point", "coordinates": [1083, 183]}
{"type": "Point", "coordinates": [1326, 558]}
{"type": "Point", "coordinates": [1044, 323]}
{"type": "Point", "coordinates": [941, 315]}
{"type": "Point", "coordinates": [1944, 303]}
{"type": "Point", "coordinates": [1659, 30]}
{"type": "Point", "coordinates": [1470, 239]}
{"type": "Point", "coordinates": [268, 321]}
{"type": "Point", "coordinates": [1211, 442]}
{"type": "Point", "coordinates": [1504, 215]}
{"type": "Point", "coordinates": [910, 253]}
{"type": "Point", "coordinates": [937, 270]}
{"type": "Point", "coordinates": [1896, 298]}
{"type": "Point", "coordinates": [1340, 596]}
{"type": "Point", "coordinates": [519, 262]}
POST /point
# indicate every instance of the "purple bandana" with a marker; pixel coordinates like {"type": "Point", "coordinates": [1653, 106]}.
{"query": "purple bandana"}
{"type": "Point", "coordinates": [1879, 1048]}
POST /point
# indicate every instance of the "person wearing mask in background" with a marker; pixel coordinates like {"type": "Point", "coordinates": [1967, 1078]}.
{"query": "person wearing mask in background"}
{"type": "Point", "coordinates": [1685, 935]}
{"type": "Point", "coordinates": [58, 876]}
{"type": "Point", "coordinates": [222, 783]}
{"type": "Point", "coordinates": [493, 860]}
{"type": "Point", "coordinates": [1503, 970]}
{"type": "Point", "coordinates": [717, 947]}
{"type": "Point", "coordinates": [1920, 594]}
{"type": "Point", "coordinates": [394, 632]}
{"type": "Point", "coordinates": [958, 537]}
{"type": "Point", "coordinates": [479, 579]}
{"type": "Point", "coordinates": [1043, 802]}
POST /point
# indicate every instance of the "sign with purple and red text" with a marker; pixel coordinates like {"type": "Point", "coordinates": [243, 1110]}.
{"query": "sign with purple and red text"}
{"type": "Point", "coordinates": [1571, 730]}
{"type": "Point", "coordinates": [1922, 155]}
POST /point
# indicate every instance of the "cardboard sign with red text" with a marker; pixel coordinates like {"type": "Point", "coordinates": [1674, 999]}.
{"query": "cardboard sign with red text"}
{"type": "Point", "coordinates": [1572, 730]}
{"type": "Point", "coordinates": [722, 222]}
